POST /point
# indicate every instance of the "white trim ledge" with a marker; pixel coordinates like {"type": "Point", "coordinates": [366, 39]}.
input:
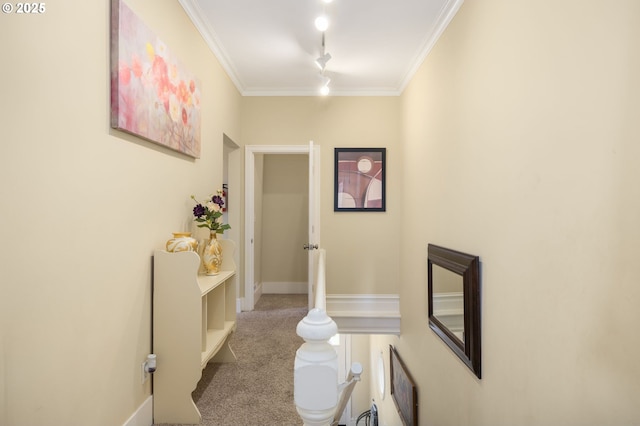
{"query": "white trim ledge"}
{"type": "Point", "coordinates": [365, 313]}
{"type": "Point", "coordinates": [143, 416]}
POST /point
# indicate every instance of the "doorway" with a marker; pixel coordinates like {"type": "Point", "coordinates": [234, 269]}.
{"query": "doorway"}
{"type": "Point", "coordinates": [253, 192]}
{"type": "Point", "coordinates": [282, 216]}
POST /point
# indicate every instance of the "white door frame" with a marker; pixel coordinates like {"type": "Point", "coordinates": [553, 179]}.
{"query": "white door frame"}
{"type": "Point", "coordinates": [249, 206]}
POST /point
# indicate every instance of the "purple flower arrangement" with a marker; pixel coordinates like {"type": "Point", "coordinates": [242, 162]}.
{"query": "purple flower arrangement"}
{"type": "Point", "coordinates": [209, 214]}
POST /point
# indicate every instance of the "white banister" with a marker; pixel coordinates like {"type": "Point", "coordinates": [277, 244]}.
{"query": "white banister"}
{"type": "Point", "coordinates": [321, 292]}
{"type": "Point", "coordinates": [347, 389]}
{"type": "Point", "coordinates": [318, 397]}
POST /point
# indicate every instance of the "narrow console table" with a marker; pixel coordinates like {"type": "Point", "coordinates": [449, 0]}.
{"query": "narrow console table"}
{"type": "Point", "coordinates": [193, 318]}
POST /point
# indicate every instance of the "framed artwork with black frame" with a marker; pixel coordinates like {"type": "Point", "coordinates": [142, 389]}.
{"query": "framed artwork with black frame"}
{"type": "Point", "coordinates": [359, 180]}
{"type": "Point", "coordinates": [403, 390]}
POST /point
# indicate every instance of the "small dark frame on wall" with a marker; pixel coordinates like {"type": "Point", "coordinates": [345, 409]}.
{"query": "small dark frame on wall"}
{"type": "Point", "coordinates": [225, 197]}
{"type": "Point", "coordinates": [403, 390]}
{"type": "Point", "coordinates": [359, 183]}
{"type": "Point", "coordinates": [465, 343]}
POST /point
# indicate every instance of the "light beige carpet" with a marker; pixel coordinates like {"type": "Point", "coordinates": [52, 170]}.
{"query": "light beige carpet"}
{"type": "Point", "coordinates": [257, 390]}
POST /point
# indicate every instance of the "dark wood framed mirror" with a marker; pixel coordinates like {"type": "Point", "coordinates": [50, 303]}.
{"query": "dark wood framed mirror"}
{"type": "Point", "coordinates": [454, 302]}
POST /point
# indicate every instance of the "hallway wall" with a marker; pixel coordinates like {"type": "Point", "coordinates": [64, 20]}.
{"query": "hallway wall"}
{"type": "Point", "coordinates": [521, 146]}
{"type": "Point", "coordinates": [83, 207]}
{"type": "Point", "coordinates": [362, 248]}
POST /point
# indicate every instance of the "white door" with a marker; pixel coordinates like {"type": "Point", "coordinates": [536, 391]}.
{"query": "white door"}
{"type": "Point", "coordinates": [314, 212]}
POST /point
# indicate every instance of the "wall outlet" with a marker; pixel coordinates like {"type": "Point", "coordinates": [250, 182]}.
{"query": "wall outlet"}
{"type": "Point", "coordinates": [145, 374]}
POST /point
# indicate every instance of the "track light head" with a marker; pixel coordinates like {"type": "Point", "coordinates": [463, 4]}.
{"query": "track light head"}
{"type": "Point", "coordinates": [321, 62]}
{"type": "Point", "coordinates": [324, 88]}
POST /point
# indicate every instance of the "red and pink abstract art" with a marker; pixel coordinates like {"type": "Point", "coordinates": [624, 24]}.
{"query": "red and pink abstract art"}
{"type": "Point", "coordinates": [152, 95]}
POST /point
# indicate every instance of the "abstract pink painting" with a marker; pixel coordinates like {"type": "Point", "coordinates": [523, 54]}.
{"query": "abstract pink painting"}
{"type": "Point", "coordinates": [152, 95]}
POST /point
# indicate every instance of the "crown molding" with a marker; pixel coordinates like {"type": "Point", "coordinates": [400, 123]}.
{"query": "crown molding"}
{"type": "Point", "coordinates": [445, 17]}
{"type": "Point", "coordinates": [211, 39]}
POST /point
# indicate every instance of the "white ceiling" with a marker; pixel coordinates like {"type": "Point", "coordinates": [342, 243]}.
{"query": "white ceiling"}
{"type": "Point", "coordinates": [268, 47]}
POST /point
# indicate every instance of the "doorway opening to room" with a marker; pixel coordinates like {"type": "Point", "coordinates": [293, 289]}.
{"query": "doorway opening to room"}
{"type": "Point", "coordinates": [282, 216]}
{"type": "Point", "coordinates": [282, 221]}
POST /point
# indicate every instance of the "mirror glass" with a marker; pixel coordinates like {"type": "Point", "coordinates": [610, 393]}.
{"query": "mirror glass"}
{"type": "Point", "coordinates": [448, 302]}
{"type": "Point", "coordinates": [454, 302]}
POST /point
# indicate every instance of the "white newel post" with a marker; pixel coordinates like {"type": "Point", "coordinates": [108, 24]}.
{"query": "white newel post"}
{"type": "Point", "coordinates": [315, 378]}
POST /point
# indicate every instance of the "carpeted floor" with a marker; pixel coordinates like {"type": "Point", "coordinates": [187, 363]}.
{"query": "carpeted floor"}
{"type": "Point", "coordinates": [257, 390]}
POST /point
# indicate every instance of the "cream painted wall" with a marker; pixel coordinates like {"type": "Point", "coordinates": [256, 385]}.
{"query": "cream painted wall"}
{"type": "Point", "coordinates": [83, 207]}
{"type": "Point", "coordinates": [521, 146]}
{"type": "Point", "coordinates": [285, 218]}
{"type": "Point", "coordinates": [362, 248]}
{"type": "Point", "coordinates": [387, 411]}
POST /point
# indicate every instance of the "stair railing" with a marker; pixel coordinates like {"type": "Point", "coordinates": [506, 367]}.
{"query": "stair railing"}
{"type": "Point", "coordinates": [346, 390]}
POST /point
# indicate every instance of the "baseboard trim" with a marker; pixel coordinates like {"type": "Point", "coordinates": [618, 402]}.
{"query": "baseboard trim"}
{"type": "Point", "coordinates": [365, 313]}
{"type": "Point", "coordinates": [143, 416]}
{"type": "Point", "coordinates": [285, 287]}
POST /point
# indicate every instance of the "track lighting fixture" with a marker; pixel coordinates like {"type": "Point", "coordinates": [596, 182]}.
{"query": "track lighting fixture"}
{"type": "Point", "coordinates": [322, 23]}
